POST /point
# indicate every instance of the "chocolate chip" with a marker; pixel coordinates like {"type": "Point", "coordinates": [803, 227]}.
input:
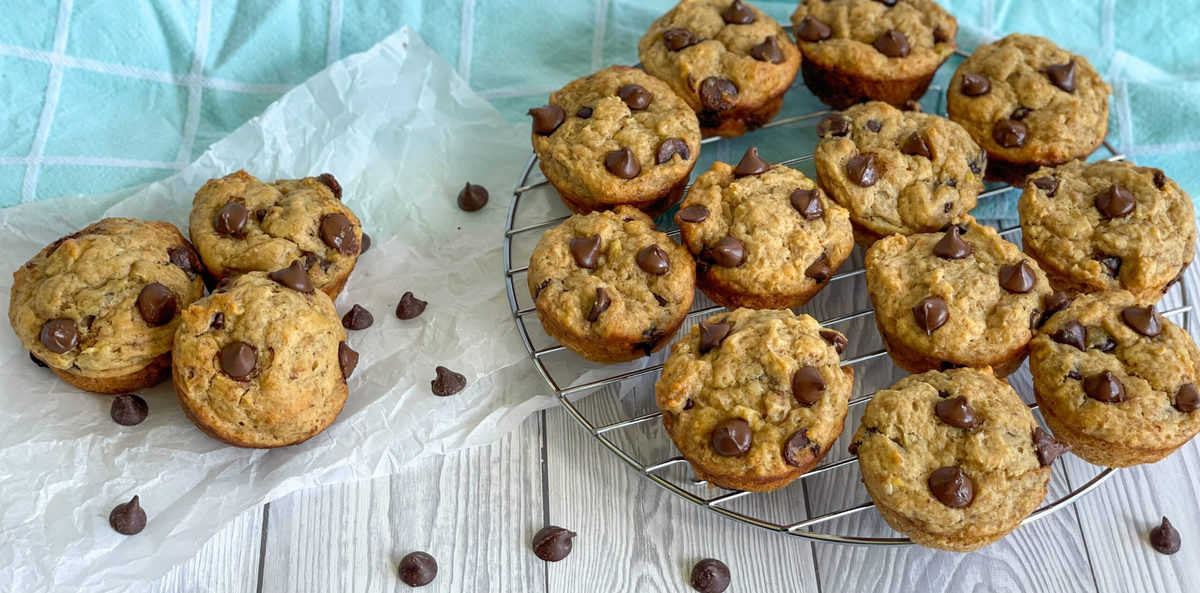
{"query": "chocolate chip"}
{"type": "Point", "coordinates": [357, 318]}
{"type": "Point", "coordinates": [930, 314]}
{"type": "Point", "coordinates": [1072, 333]}
{"type": "Point", "coordinates": [1143, 320]}
{"type": "Point", "coordinates": [622, 163]}
{"type": "Point", "coordinates": [309, 259]}
{"type": "Point", "coordinates": [795, 446]}
{"type": "Point", "coordinates": [718, 94]}
{"type": "Point", "coordinates": [976, 165]}
{"type": "Point", "coordinates": [1108, 345]}
{"type": "Point", "coordinates": [238, 360]}
{"type": "Point", "coordinates": [586, 250]}
{"type": "Point", "coordinates": [653, 260]}
{"type": "Point", "coordinates": [712, 334]}
{"type": "Point", "coordinates": [732, 438]}
{"type": "Point", "coordinates": [820, 270]}
{"type": "Point", "coordinates": [862, 169]}
{"type": "Point", "coordinates": [940, 35]}
{"type": "Point", "coordinates": [834, 124]}
{"type": "Point", "coordinates": [417, 569]}
{"type": "Point", "coordinates": [472, 197]}
{"type": "Point", "coordinates": [1074, 374]}
{"type": "Point", "coordinates": [338, 232]}
{"type": "Point", "coordinates": [662, 302]}
{"type": "Point", "coordinates": [546, 119]}
{"type": "Point", "coordinates": [347, 359]}
{"type": "Point", "coordinates": [808, 203]}
{"type": "Point", "coordinates": [59, 335]}
{"type": "Point", "coordinates": [635, 96]}
{"type": "Point", "coordinates": [728, 252]}
{"type": "Point", "coordinates": [710, 576]}
{"type": "Point", "coordinates": [447, 382]}
{"type": "Point", "coordinates": [185, 258]}
{"type": "Point", "coordinates": [366, 243]}
{"type": "Point", "coordinates": [956, 412]}
{"type": "Point", "coordinates": [599, 305]}
{"type": "Point", "coordinates": [1160, 179]}
{"type": "Point", "coordinates": [410, 306]}
{"type": "Point", "coordinates": [218, 321]}
{"type": "Point", "coordinates": [1115, 202]}
{"type": "Point", "coordinates": [835, 339]}
{"type": "Point", "coordinates": [1010, 133]}
{"type": "Point", "coordinates": [874, 125]}
{"type": "Point", "coordinates": [1062, 75]}
{"type": "Point", "coordinates": [1046, 184]}
{"type": "Point", "coordinates": [1017, 278]}
{"type": "Point", "coordinates": [553, 543]}
{"type": "Point", "coordinates": [768, 51]}
{"type": "Point", "coordinates": [584, 112]}
{"type": "Point", "coordinates": [1054, 303]}
{"type": "Point", "coordinates": [128, 518]}
{"type": "Point", "coordinates": [952, 487]}
{"type": "Point", "coordinates": [38, 361]}
{"type": "Point", "coordinates": [1111, 262]}
{"type": "Point", "coordinates": [1020, 113]}
{"type": "Point", "coordinates": [949, 205]}
{"type": "Point", "coordinates": [692, 214]}
{"type": "Point", "coordinates": [1104, 387]}
{"type": "Point", "coordinates": [807, 385]}
{"type": "Point", "coordinates": [1187, 399]}
{"type": "Point", "coordinates": [294, 277]}
{"type": "Point", "coordinates": [888, 3]}
{"type": "Point", "coordinates": [974, 85]}
{"type": "Point", "coordinates": [332, 183]}
{"type": "Point", "coordinates": [751, 164]}
{"type": "Point", "coordinates": [1047, 447]}
{"type": "Point", "coordinates": [128, 409]}
{"type": "Point", "coordinates": [1165, 538]}
{"type": "Point", "coordinates": [951, 245]}
{"type": "Point", "coordinates": [738, 13]}
{"type": "Point", "coordinates": [260, 214]}
{"type": "Point", "coordinates": [677, 39]}
{"type": "Point", "coordinates": [230, 219]}
{"type": "Point", "coordinates": [156, 304]}
{"type": "Point", "coordinates": [671, 147]}
{"type": "Point", "coordinates": [892, 44]}
{"type": "Point", "coordinates": [916, 145]}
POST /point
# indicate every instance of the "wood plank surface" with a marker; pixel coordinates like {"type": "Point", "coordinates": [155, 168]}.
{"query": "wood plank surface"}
{"type": "Point", "coordinates": [228, 562]}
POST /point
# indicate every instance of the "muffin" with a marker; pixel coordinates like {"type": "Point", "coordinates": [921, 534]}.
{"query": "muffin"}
{"type": "Point", "coordinates": [1108, 225]}
{"type": "Point", "coordinates": [898, 172]}
{"type": "Point", "coordinates": [99, 307]}
{"type": "Point", "coordinates": [1116, 380]}
{"type": "Point", "coordinates": [753, 399]}
{"type": "Point", "coordinates": [862, 50]}
{"type": "Point", "coordinates": [965, 297]}
{"type": "Point", "coordinates": [953, 459]}
{"type": "Point", "coordinates": [1030, 104]}
{"type": "Point", "coordinates": [609, 286]}
{"type": "Point", "coordinates": [240, 224]}
{"type": "Point", "coordinates": [764, 235]}
{"type": "Point", "coordinates": [262, 362]}
{"type": "Point", "coordinates": [728, 60]}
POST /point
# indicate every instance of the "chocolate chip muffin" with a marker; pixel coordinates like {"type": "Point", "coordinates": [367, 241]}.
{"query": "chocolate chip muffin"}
{"type": "Point", "coordinates": [262, 362]}
{"type": "Point", "coordinates": [730, 61]}
{"type": "Point", "coordinates": [765, 236]}
{"type": "Point", "coordinates": [898, 172]}
{"type": "Point", "coordinates": [753, 399]}
{"type": "Point", "coordinates": [1108, 225]}
{"type": "Point", "coordinates": [98, 307]}
{"type": "Point", "coordinates": [609, 286]}
{"type": "Point", "coordinates": [1030, 104]}
{"type": "Point", "coordinates": [240, 224]}
{"type": "Point", "coordinates": [1116, 380]}
{"type": "Point", "coordinates": [953, 459]}
{"type": "Point", "coordinates": [859, 50]}
{"type": "Point", "coordinates": [965, 297]}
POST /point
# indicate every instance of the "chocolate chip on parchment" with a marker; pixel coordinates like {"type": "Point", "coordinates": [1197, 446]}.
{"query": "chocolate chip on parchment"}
{"type": "Point", "coordinates": [653, 260]}
{"type": "Point", "coordinates": [1062, 75]}
{"type": "Point", "coordinates": [952, 487]}
{"type": "Point", "coordinates": [366, 243]}
{"type": "Point", "coordinates": [952, 246]}
{"type": "Point", "coordinates": [930, 314]}
{"type": "Point", "coordinates": [338, 232]}
{"type": "Point", "coordinates": [1017, 278]}
{"type": "Point", "coordinates": [712, 334]}
{"type": "Point", "coordinates": [732, 438]}
{"type": "Point", "coordinates": [751, 164]}
{"type": "Point", "coordinates": [808, 385]}
{"type": "Point", "coordinates": [956, 412]}
{"type": "Point", "coordinates": [677, 39]}
{"type": "Point", "coordinates": [238, 360]}
{"type": "Point", "coordinates": [357, 318]}
{"type": "Point", "coordinates": [585, 251]}
{"type": "Point", "coordinates": [622, 163]}
{"type": "Point", "coordinates": [546, 119]}
{"type": "Point", "coordinates": [692, 214]}
{"type": "Point", "coordinates": [553, 543]}
{"type": "Point", "coordinates": [1115, 202]}
{"type": "Point", "coordinates": [128, 518]}
{"type": "Point", "coordinates": [410, 306]}
{"type": "Point", "coordinates": [230, 219]}
{"type": "Point", "coordinates": [728, 252]}
{"type": "Point", "coordinates": [1047, 447]}
{"type": "Point", "coordinates": [417, 569]}
{"type": "Point", "coordinates": [1165, 538]}
{"type": "Point", "coordinates": [332, 183]}
{"type": "Point", "coordinates": [820, 270]}
{"type": "Point", "coordinates": [834, 124]}
{"type": "Point", "coordinates": [1071, 333]}
{"type": "Point", "coordinates": [671, 147]}
{"type": "Point", "coordinates": [1143, 320]}
{"type": "Point", "coordinates": [862, 169]}
{"type": "Point", "coordinates": [916, 145]}
{"type": "Point", "coordinates": [59, 335]}
{"type": "Point", "coordinates": [892, 44]}
{"type": "Point", "coordinates": [156, 304]}
{"type": "Point", "coordinates": [347, 359]}
{"type": "Point", "coordinates": [1104, 387]}
{"type": "Point", "coordinates": [294, 277]}
{"type": "Point", "coordinates": [768, 51]}
{"type": "Point", "coordinates": [974, 85]}
{"type": "Point", "coordinates": [1187, 399]}
{"type": "Point", "coordinates": [835, 339]}
{"type": "Point", "coordinates": [1010, 133]}
{"type": "Point", "coordinates": [710, 576]}
{"type": "Point", "coordinates": [635, 96]}
{"type": "Point", "coordinates": [813, 30]}
{"type": "Point", "coordinates": [718, 94]}
{"type": "Point", "coordinates": [447, 382]}
{"type": "Point", "coordinates": [128, 409]}
{"type": "Point", "coordinates": [472, 197]}
{"type": "Point", "coordinates": [808, 203]}
{"type": "Point", "coordinates": [738, 13]}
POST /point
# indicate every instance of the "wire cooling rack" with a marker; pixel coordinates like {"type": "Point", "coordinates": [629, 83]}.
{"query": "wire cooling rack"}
{"type": "Point", "coordinates": [570, 376]}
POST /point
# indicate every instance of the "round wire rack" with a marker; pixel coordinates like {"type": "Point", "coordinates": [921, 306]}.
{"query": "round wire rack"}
{"type": "Point", "coordinates": [625, 432]}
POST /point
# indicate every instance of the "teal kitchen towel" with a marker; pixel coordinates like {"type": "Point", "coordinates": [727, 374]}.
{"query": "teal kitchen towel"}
{"type": "Point", "coordinates": [96, 95]}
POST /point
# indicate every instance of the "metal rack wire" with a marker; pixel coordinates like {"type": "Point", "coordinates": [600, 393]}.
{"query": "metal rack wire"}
{"type": "Point", "coordinates": [524, 316]}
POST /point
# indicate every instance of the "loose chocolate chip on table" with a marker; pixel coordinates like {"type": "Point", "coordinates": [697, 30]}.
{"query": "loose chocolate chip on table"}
{"type": "Point", "coordinates": [930, 314]}
{"type": "Point", "coordinates": [59, 335]}
{"type": "Point", "coordinates": [974, 85]}
{"type": "Point", "coordinates": [862, 169]}
{"type": "Point", "coordinates": [712, 334]}
{"type": "Point", "coordinates": [671, 147]}
{"type": "Point", "coordinates": [447, 382]}
{"type": "Point", "coordinates": [599, 305]}
{"type": "Point", "coordinates": [294, 277]}
{"type": "Point", "coordinates": [472, 197]}
{"type": "Point", "coordinates": [338, 232]}
{"type": "Point", "coordinates": [710, 576]}
{"type": "Point", "coordinates": [546, 119]}
{"type": "Point", "coordinates": [635, 96]}
{"type": "Point", "coordinates": [1187, 399]}
{"type": "Point", "coordinates": [1143, 320]}
{"type": "Point", "coordinates": [835, 339]}
{"type": "Point", "coordinates": [692, 214]}
{"type": "Point", "coordinates": [892, 44]}
{"type": "Point", "coordinates": [128, 518]}
{"type": "Point", "coordinates": [732, 438]}
{"type": "Point", "coordinates": [1160, 179]}
{"type": "Point", "coordinates": [916, 145]}
{"type": "Point", "coordinates": [956, 412]}
{"type": "Point", "coordinates": [794, 447]}
{"type": "Point", "coordinates": [1104, 387]}
{"type": "Point", "coordinates": [767, 51]}
{"type": "Point", "coordinates": [553, 543]}
{"type": "Point", "coordinates": [417, 569]}
{"type": "Point", "coordinates": [1048, 448]}
{"type": "Point", "coordinates": [366, 243]}
{"type": "Point", "coordinates": [1017, 278]}
{"type": "Point", "coordinates": [1165, 538]}
{"type": "Point", "coordinates": [622, 163]}
{"type": "Point", "coordinates": [1046, 184]}
{"type": "Point", "coordinates": [1020, 113]}
{"type": "Point", "coordinates": [834, 124]}
{"type": "Point", "coordinates": [332, 183]}
{"type": "Point", "coordinates": [1072, 333]}
{"type": "Point", "coordinates": [357, 318]}
{"type": "Point", "coordinates": [807, 385]}
{"type": "Point", "coordinates": [128, 409]}
{"type": "Point", "coordinates": [677, 39]}
{"type": "Point", "coordinates": [819, 270]}
{"type": "Point", "coordinates": [1010, 133]}
{"type": "Point", "coordinates": [952, 246]}
{"type": "Point", "coordinates": [728, 252]}
{"type": "Point", "coordinates": [952, 487]}
{"type": "Point", "coordinates": [38, 361]}
{"type": "Point", "coordinates": [653, 260]}
{"type": "Point", "coordinates": [411, 306]}
{"type": "Point", "coordinates": [718, 94]}
{"type": "Point", "coordinates": [184, 257]}
{"type": "Point", "coordinates": [584, 112]}
{"type": "Point", "coordinates": [1111, 262]}
{"type": "Point", "coordinates": [238, 360]}
{"type": "Point", "coordinates": [808, 203]}
{"type": "Point", "coordinates": [738, 13]}
{"type": "Point", "coordinates": [874, 125]}
{"type": "Point", "coordinates": [585, 250]}
{"type": "Point", "coordinates": [218, 321]}
{"type": "Point", "coordinates": [1115, 202]}
{"type": "Point", "coordinates": [1062, 75]}
{"type": "Point", "coordinates": [156, 304]}
{"type": "Point", "coordinates": [813, 29]}
{"type": "Point", "coordinates": [230, 219]}
{"type": "Point", "coordinates": [751, 164]}
{"type": "Point", "coordinates": [347, 359]}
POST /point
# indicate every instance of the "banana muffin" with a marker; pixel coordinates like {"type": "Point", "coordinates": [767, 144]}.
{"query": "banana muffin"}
{"type": "Point", "coordinates": [755, 398]}
{"type": "Point", "coordinates": [99, 307]}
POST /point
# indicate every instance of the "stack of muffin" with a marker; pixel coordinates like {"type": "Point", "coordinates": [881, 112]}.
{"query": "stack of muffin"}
{"type": "Point", "coordinates": [755, 396]}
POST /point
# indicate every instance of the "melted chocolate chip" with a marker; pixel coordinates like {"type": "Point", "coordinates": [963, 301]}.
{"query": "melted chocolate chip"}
{"type": "Point", "coordinates": [129, 409]}
{"type": "Point", "coordinates": [1165, 538]}
{"type": "Point", "coordinates": [956, 412]}
{"type": "Point", "coordinates": [732, 438]}
{"type": "Point", "coordinates": [712, 334]}
{"type": "Point", "coordinates": [671, 147]}
{"type": "Point", "coordinates": [635, 96]}
{"type": "Point", "coordinates": [184, 257]}
{"type": "Point", "coordinates": [807, 385]}
{"type": "Point", "coordinates": [417, 569]}
{"type": "Point", "coordinates": [974, 85]}
{"type": "Point", "coordinates": [156, 304]}
{"type": "Point", "coordinates": [1020, 113]}
{"type": "Point", "coordinates": [916, 145]}
{"type": "Point", "coordinates": [357, 318]}
{"type": "Point", "coordinates": [599, 305]}
{"type": "Point", "coordinates": [338, 232]}
{"type": "Point", "coordinates": [230, 219]}
{"type": "Point", "coordinates": [1046, 184]}
{"type": "Point", "coordinates": [1047, 447]}
{"type": "Point", "coordinates": [710, 576]}
{"type": "Point", "coordinates": [553, 543]}
{"type": "Point", "coordinates": [332, 183]}
{"type": "Point", "coordinates": [834, 124]}
{"type": "Point", "coordinates": [472, 197]}
{"type": "Point", "coordinates": [1072, 333]}
{"type": "Point", "coordinates": [1187, 399]}
{"type": "Point", "coordinates": [692, 214]}
{"type": "Point", "coordinates": [952, 487]}
{"type": "Point", "coordinates": [585, 251]}
{"type": "Point", "coordinates": [677, 39]}
{"type": "Point", "coordinates": [930, 314]}
{"type": "Point", "coordinates": [128, 518]}
{"type": "Point", "coordinates": [813, 29]}
{"type": "Point", "coordinates": [447, 382]}
{"type": "Point", "coordinates": [1010, 133]}
{"type": "Point", "coordinates": [547, 119]}
{"type": "Point", "coordinates": [738, 13]}
{"type": "Point", "coordinates": [622, 163]}
{"type": "Point", "coordinates": [892, 44]}
{"type": "Point", "coordinates": [653, 260]}
{"type": "Point", "coordinates": [952, 246]}
{"type": "Point", "coordinates": [347, 359]}
{"type": "Point", "coordinates": [1111, 262]}
{"type": "Point", "coordinates": [1062, 75]}
{"type": "Point", "coordinates": [1104, 387]}
{"type": "Point", "coordinates": [294, 277]}
{"type": "Point", "coordinates": [411, 307]}
{"type": "Point", "coordinates": [835, 339]}
{"type": "Point", "coordinates": [1115, 202]}
{"type": "Point", "coordinates": [238, 360]}
{"type": "Point", "coordinates": [751, 164]}
{"type": "Point", "coordinates": [728, 252]}
{"type": "Point", "coordinates": [59, 335]}
{"type": "Point", "coordinates": [862, 169]}
{"type": "Point", "coordinates": [795, 446]}
{"type": "Point", "coordinates": [1018, 278]}
{"type": "Point", "coordinates": [1143, 320]}
{"type": "Point", "coordinates": [808, 203]}
{"type": "Point", "coordinates": [718, 94]}
{"type": "Point", "coordinates": [768, 51]}
{"type": "Point", "coordinates": [820, 270]}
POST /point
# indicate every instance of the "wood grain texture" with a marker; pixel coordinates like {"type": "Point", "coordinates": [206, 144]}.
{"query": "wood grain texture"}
{"type": "Point", "coordinates": [227, 562]}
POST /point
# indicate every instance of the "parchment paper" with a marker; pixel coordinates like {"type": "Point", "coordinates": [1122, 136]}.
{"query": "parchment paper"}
{"type": "Point", "coordinates": [402, 133]}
